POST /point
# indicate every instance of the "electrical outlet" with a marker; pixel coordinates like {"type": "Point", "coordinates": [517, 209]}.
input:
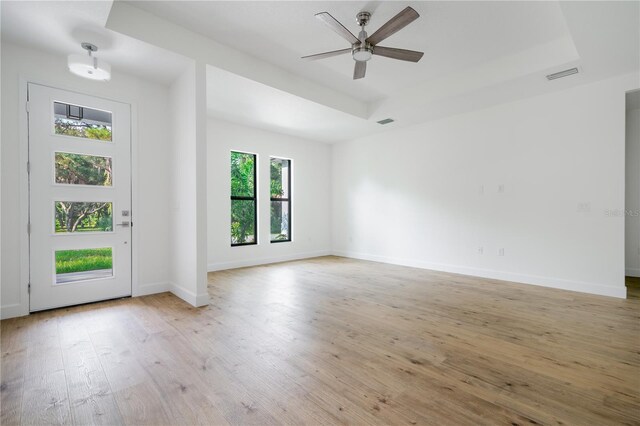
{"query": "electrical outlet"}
{"type": "Point", "coordinates": [501, 189]}
{"type": "Point", "coordinates": [480, 250]}
{"type": "Point", "coordinates": [584, 207]}
{"type": "Point", "coordinates": [500, 252]}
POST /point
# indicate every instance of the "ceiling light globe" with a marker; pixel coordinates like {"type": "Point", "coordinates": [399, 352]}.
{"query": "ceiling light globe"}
{"type": "Point", "coordinates": [362, 54]}
{"type": "Point", "coordinates": [84, 66]}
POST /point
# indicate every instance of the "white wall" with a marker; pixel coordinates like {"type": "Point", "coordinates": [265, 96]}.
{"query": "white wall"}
{"type": "Point", "coordinates": [151, 158]}
{"type": "Point", "coordinates": [310, 193]}
{"type": "Point", "coordinates": [632, 207]}
{"type": "Point", "coordinates": [428, 195]}
{"type": "Point", "coordinates": [187, 190]}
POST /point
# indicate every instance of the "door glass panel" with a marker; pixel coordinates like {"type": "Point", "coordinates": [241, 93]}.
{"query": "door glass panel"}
{"type": "Point", "coordinates": [83, 264]}
{"type": "Point", "coordinates": [75, 216]}
{"type": "Point", "coordinates": [82, 122]}
{"type": "Point", "coordinates": [80, 169]}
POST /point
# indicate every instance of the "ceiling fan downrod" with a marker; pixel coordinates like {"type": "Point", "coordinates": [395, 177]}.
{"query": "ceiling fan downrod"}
{"type": "Point", "coordinates": [362, 51]}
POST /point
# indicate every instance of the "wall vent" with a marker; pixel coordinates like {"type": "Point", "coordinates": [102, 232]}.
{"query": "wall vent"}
{"type": "Point", "coordinates": [386, 121]}
{"type": "Point", "coordinates": [561, 74]}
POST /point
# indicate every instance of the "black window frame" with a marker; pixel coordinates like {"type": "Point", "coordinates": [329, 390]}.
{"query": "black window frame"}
{"type": "Point", "coordinates": [280, 199]}
{"type": "Point", "coordinates": [244, 198]}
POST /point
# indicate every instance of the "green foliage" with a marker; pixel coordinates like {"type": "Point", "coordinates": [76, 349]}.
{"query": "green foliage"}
{"type": "Point", "coordinates": [276, 179]}
{"type": "Point", "coordinates": [81, 129]}
{"type": "Point", "coordinates": [77, 169]}
{"type": "Point", "coordinates": [278, 222]}
{"type": "Point", "coordinates": [105, 222]}
{"type": "Point", "coordinates": [98, 132]}
{"type": "Point", "coordinates": [242, 172]}
{"type": "Point", "coordinates": [242, 185]}
{"type": "Point", "coordinates": [83, 260]}
{"type": "Point", "coordinates": [74, 216]}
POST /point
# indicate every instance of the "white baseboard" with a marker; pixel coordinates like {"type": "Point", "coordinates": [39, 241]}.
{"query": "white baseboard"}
{"type": "Point", "coordinates": [14, 310]}
{"type": "Point", "coordinates": [18, 310]}
{"type": "Point", "coordinates": [632, 272]}
{"type": "Point", "coordinates": [188, 296]}
{"type": "Point", "coordinates": [599, 289]}
{"type": "Point", "coordinates": [152, 288]}
{"type": "Point", "coordinates": [221, 266]}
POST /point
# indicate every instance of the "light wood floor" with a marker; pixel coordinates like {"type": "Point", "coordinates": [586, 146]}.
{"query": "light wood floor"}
{"type": "Point", "coordinates": [330, 341]}
{"type": "Point", "coordinates": [633, 287]}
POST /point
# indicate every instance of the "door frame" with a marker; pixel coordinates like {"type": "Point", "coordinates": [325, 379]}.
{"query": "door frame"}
{"type": "Point", "coordinates": [23, 307]}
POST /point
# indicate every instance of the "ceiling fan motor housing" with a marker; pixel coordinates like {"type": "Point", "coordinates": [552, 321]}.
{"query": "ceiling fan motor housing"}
{"type": "Point", "coordinates": [362, 18]}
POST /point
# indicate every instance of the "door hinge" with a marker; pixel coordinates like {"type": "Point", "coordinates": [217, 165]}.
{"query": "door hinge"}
{"type": "Point", "coordinates": [29, 228]}
{"type": "Point", "coordinates": [26, 107]}
{"type": "Point", "coordinates": [28, 167]}
{"type": "Point", "coordinates": [29, 288]}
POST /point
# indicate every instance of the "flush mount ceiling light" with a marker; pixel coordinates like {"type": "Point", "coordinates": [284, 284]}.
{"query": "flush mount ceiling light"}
{"type": "Point", "coordinates": [88, 66]}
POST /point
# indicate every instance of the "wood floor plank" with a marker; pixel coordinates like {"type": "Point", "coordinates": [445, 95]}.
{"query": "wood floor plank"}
{"type": "Point", "coordinates": [330, 341]}
{"type": "Point", "coordinates": [91, 398]}
{"type": "Point", "coordinates": [45, 400]}
{"type": "Point", "coordinates": [137, 395]}
{"type": "Point", "coordinates": [15, 338]}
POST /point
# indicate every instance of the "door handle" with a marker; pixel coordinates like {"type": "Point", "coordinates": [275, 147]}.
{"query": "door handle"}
{"type": "Point", "coordinates": [124, 224]}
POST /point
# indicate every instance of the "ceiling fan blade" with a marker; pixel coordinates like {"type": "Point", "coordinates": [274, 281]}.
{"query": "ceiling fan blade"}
{"type": "Point", "coordinates": [394, 25]}
{"type": "Point", "coordinates": [336, 26]}
{"type": "Point", "coordinates": [360, 70]}
{"type": "Point", "coordinates": [402, 54]}
{"type": "Point", "coordinates": [326, 54]}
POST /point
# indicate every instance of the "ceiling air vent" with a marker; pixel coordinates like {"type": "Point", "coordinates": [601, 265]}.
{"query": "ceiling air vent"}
{"type": "Point", "coordinates": [561, 74]}
{"type": "Point", "coordinates": [386, 121]}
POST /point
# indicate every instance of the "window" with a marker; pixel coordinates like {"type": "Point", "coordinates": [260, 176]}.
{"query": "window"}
{"type": "Point", "coordinates": [83, 264]}
{"type": "Point", "coordinates": [244, 222]}
{"type": "Point", "coordinates": [81, 122]}
{"type": "Point", "coordinates": [79, 169]}
{"type": "Point", "coordinates": [280, 200]}
{"type": "Point", "coordinates": [74, 216]}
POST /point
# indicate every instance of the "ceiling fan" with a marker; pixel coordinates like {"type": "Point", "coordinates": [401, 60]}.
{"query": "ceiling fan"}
{"type": "Point", "coordinates": [363, 47]}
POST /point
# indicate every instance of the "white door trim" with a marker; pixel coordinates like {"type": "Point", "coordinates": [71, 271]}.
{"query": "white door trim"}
{"type": "Point", "coordinates": [22, 308]}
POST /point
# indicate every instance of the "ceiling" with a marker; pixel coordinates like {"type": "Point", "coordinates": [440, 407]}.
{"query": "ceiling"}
{"type": "Point", "coordinates": [275, 110]}
{"type": "Point", "coordinates": [477, 54]}
{"type": "Point", "coordinates": [60, 26]}
{"type": "Point", "coordinates": [453, 35]}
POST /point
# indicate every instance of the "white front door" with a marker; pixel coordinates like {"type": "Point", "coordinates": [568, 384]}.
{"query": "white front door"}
{"type": "Point", "coordinates": [80, 198]}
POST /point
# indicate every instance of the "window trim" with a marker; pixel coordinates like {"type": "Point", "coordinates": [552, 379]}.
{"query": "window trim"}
{"type": "Point", "coordinates": [288, 200]}
{"type": "Point", "coordinates": [245, 198]}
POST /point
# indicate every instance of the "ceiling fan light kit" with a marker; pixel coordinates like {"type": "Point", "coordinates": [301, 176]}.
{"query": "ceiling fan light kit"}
{"type": "Point", "coordinates": [363, 47]}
